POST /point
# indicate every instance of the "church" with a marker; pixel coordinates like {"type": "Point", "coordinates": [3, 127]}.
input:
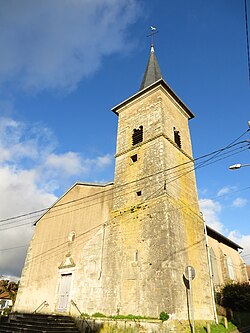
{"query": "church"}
{"type": "Point", "coordinates": [124, 247]}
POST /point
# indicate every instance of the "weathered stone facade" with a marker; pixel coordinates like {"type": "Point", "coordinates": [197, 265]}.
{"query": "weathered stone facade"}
{"type": "Point", "coordinates": [68, 240]}
{"type": "Point", "coordinates": [160, 232]}
{"type": "Point", "coordinates": [226, 262]}
{"type": "Point", "coordinates": [123, 248]}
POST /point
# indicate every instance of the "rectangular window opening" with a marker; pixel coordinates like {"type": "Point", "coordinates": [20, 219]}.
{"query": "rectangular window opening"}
{"type": "Point", "coordinates": [138, 193]}
{"type": "Point", "coordinates": [177, 137]}
{"type": "Point", "coordinates": [134, 158]}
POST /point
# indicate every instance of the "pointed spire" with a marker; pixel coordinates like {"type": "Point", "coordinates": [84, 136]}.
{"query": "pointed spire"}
{"type": "Point", "coordinates": [152, 73]}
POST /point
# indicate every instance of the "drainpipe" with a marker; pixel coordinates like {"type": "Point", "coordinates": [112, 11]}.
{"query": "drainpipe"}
{"type": "Point", "coordinates": [210, 272]}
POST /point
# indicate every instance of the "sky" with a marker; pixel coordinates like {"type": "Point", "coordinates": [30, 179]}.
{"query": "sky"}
{"type": "Point", "coordinates": [65, 63]}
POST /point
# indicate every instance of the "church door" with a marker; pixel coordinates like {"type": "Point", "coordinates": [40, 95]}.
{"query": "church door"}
{"type": "Point", "coordinates": [64, 292]}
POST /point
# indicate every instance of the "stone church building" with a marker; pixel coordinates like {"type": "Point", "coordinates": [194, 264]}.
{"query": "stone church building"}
{"type": "Point", "coordinates": [123, 247]}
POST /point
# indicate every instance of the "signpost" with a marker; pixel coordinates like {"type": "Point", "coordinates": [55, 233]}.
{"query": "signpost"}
{"type": "Point", "coordinates": [190, 275]}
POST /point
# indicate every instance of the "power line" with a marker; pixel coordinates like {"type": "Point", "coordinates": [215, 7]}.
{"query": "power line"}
{"type": "Point", "coordinates": [119, 195]}
{"type": "Point", "coordinates": [230, 144]}
{"type": "Point", "coordinates": [108, 221]}
{"type": "Point", "coordinates": [128, 183]}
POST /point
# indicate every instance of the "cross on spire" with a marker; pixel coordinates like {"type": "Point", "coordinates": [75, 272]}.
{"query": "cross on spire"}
{"type": "Point", "coordinates": [153, 32]}
{"type": "Point", "coordinates": [152, 73]}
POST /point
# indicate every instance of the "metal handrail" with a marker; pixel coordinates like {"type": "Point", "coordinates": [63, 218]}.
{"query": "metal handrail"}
{"type": "Point", "coordinates": [41, 306]}
{"type": "Point", "coordinates": [75, 305]}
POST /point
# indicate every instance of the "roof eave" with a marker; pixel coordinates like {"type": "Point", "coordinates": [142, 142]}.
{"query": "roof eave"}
{"type": "Point", "coordinates": [223, 239]}
{"type": "Point", "coordinates": [75, 184]}
{"type": "Point", "coordinates": [153, 85]}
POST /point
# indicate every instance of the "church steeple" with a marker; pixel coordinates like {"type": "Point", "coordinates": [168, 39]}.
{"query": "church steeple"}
{"type": "Point", "coordinates": [152, 73]}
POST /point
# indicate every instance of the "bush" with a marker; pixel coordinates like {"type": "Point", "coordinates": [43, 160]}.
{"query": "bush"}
{"type": "Point", "coordinates": [6, 311]}
{"type": "Point", "coordinates": [236, 296]}
{"type": "Point", "coordinates": [99, 315]}
{"type": "Point", "coordinates": [164, 316]}
{"type": "Point", "coordinates": [130, 316]}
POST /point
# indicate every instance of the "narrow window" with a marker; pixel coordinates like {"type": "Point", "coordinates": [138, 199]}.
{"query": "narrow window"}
{"type": "Point", "coordinates": [137, 136]}
{"type": "Point", "coordinates": [72, 236]}
{"type": "Point", "coordinates": [134, 158]}
{"type": "Point", "coordinates": [177, 137]}
{"type": "Point", "coordinates": [138, 193]}
{"type": "Point", "coordinates": [214, 268]}
{"type": "Point", "coordinates": [230, 268]}
{"type": "Point", "coordinates": [136, 255]}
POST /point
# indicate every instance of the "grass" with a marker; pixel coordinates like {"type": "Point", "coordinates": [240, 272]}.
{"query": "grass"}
{"type": "Point", "coordinates": [220, 328]}
{"type": "Point", "coordinates": [101, 315]}
{"type": "Point", "coordinates": [129, 316]}
{"type": "Point", "coordinates": [239, 320]}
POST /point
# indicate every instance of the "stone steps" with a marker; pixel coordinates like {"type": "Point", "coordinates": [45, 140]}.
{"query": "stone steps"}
{"type": "Point", "coordinates": [37, 323]}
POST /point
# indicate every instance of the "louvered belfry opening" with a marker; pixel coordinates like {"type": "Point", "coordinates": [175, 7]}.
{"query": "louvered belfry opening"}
{"type": "Point", "coordinates": [137, 136]}
{"type": "Point", "coordinates": [177, 138]}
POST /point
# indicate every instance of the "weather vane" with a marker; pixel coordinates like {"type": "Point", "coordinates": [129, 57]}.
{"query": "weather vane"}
{"type": "Point", "coordinates": [153, 32]}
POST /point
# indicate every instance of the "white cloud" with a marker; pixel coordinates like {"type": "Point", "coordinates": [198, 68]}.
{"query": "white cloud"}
{"type": "Point", "coordinates": [226, 190]}
{"type": "Point", "coordinates": [103, 161]}
{"type": "Point", "coordinates": [211, 210]}
{"type": "Point", "coordinates": [72, 163]}
{"type": "Point", "coordinates": [69, 163]}
{"type": "Point", "coordinates": [244, 241]}
{"type": "Point", "coordinates": [239, 202]}
{"type": "Point", "coordinates": [20, 141]}
{"type": "Point", "coordinates": [19, 194]}
{"type": "Point", "coordinates": [19, 190]}
{"type": "Point", "coordinates": [54, 44]}
{"type": "Point", "coordinates": [30, 172]}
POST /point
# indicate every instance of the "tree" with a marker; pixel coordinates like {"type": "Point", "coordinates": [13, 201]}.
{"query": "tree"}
{"type": "Point", "coordinates": [236, 296]}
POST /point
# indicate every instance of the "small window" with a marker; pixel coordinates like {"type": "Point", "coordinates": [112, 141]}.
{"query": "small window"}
{"type": "Point", "coordinates": [137, 136]}
{"type": "Point", "coordinates": [177, 137]}
{"type": "Point", "coordinates": [134, 158]}
{"type": "Point", "coordinates": [72, 236]}
{"type": "Point", "coordinates": [138, 193]}
{"type": "Point", "coordinates": [136, 255]}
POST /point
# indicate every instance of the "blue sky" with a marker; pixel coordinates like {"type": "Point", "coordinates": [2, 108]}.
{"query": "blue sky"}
{"type": "Point", "coordinates": [65, 64]}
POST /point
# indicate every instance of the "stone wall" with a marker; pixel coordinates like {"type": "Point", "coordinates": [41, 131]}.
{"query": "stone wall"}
{"type": "Point", "coordinates": [161, 227]}
{"type": "Point", "coordinates": [81, 213]}
{"type": "Point", "coordinates": [221, 253]}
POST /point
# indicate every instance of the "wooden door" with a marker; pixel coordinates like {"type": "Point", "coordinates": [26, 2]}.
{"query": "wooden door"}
{"type": "Point", "coordinates": [64, 292]}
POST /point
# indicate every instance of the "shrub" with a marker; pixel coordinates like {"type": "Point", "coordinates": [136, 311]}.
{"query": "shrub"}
{"type": "Point", "coordinates": [129, 316]}
{"type": "Point", "coordinates": [6, 311]}
{"type": "Point", "coordinates": [99, 315]}
{"type": "Point", "coordinates": [164, 316]}
{"type": "Point", "coordinates": [236, 296]}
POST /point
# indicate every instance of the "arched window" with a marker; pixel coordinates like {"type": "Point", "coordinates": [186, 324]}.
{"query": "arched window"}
{"type": "Point", "coordinates": [230, 268]}
{"type": "Point", "coordinates": [72, 236]}
{"type": "Point", "coordinates": [214, 267]}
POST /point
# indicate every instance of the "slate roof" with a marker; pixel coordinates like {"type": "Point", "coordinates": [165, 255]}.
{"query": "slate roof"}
{"type": "Point", "coordinates": [222, 239]}
{"type": "Point", "coordinates": [153, 72]}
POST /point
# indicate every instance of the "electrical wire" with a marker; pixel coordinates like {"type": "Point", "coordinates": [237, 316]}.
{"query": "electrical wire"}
{"type": "Point", "coordinates": [125, 184]}
{"type": "Point", "coordinates": [109, 221]}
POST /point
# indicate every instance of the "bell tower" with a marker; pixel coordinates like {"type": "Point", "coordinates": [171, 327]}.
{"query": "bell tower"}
{"type": "Point", "coordinates": [156, 229]}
